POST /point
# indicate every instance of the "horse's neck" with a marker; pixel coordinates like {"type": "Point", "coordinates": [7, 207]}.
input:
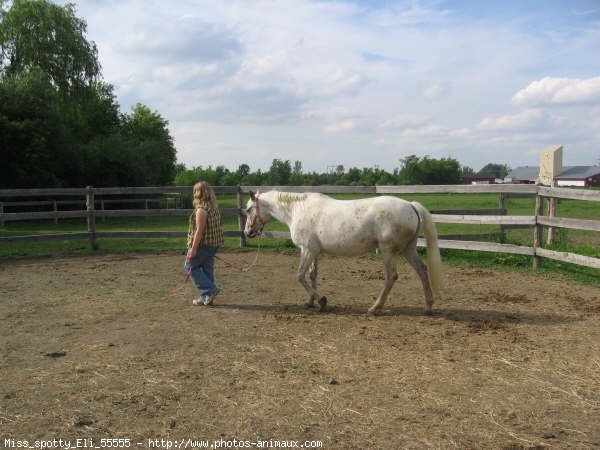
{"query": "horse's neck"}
{"type": "Point", "coordinates": [282, 211]}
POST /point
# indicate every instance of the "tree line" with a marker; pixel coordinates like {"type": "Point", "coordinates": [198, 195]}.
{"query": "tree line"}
{"type": "Point", "coordinates": [412, 170]}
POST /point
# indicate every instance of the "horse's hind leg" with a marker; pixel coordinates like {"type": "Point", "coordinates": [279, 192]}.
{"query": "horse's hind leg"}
{"type": "Point", "coordinates": [415, 261]}
{"type": "Point", "coordinates": [309, 259]}
{"type": "Point", "coordinates": [391, 275]}
{"type": "Point", "coordinates": [312, 273]}
{"type": "Point", "coordinates": [314, 270]}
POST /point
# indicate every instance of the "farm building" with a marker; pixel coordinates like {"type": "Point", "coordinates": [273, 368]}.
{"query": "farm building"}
{"type": "Point", "coordinates": [579, 176]}
{"type": "Point", "coordinates": [479, 180]}
{"type": "Point", "coordinates": [523, 175]}
{"type": "Point", "coordinates": [569, 176]}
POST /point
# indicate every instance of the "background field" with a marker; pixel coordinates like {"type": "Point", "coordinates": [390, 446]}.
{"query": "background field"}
{"type": "Point", "coordinates": [582, 242]}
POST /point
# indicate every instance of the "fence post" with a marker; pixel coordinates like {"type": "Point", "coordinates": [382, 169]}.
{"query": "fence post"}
{"type": "Point", "coordinates": [551, 213]}
{"type": "Point", "coordinates": [91, 217]}
{"type": "Point", "coordinates": [537, 231]}
{"type": "Point", "coordinates": [501, 205]}
{"type": "Point", "coordinates": [55, 207]}
{"type": "Point", "coordinates": [241, 217]}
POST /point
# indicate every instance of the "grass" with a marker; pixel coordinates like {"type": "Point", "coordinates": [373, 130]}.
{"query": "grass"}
{"type": "Point", "coordinates": [574, 241]}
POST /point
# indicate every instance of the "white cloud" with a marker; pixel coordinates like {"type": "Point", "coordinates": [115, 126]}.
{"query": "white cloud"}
{"type": "Point", "coordinates": [340, 127]}
{"type": "Point", "coordinates": [556, 91]}
{"type": "Point", "coordinates": [462, 132]}
{"type": "Point", "coordinates": [523, 120]}
{"type": "Point", "coordinates": [436, 90]}
{"type": "Point", "coordinates": [197, 40]}
{"type": "Point", "coordinates": [404, 122]}
{"type": "Point", "coordinates": [586, 12]}
{"type": "Point", "coordinates": [341, 83]}
{"type": "Point", "coordinates": [431, 130]}
{"type": "Point", "coordinates": [267, 64]}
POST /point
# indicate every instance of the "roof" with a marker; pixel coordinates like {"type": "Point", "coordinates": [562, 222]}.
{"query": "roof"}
{"type": "Point", "coordinates": [531, 172]}
{"type": "Point", "coordinates": [579, 172]}
{"type": "Point", "coordinates": [525, 173]}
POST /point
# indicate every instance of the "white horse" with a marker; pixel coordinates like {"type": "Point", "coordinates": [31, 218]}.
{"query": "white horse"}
{"type": "Point", "coordinates": [319, 223]}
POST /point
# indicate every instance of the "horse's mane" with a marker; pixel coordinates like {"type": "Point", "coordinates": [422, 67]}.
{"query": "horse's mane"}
{"type": "Point", "coordinates": [287, 198]}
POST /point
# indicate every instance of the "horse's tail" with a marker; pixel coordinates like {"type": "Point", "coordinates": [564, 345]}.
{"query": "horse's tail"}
{"type": "Point", "coordinates": [434, 261]}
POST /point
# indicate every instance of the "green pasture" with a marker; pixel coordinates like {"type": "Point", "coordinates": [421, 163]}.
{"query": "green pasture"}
{"type": "Point", "coordinates": [582, 242]}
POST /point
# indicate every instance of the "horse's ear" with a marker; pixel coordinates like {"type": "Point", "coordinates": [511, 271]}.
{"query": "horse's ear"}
{"type": "Point", "coordinates": [252, 196]}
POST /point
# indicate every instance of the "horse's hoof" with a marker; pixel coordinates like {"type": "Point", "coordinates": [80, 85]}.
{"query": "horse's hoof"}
{"type": "Point", "coordinates": [322, 303]}
{"type": "Point", "coordinates": [373, 311]}
{"type": "Point", "coordinates": [309, 305]}
{"type": "Point", "coordinates": [428, 312]}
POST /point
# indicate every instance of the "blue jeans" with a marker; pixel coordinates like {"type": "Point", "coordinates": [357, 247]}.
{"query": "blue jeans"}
{"type": "Point", "coordinates": [203, 269]}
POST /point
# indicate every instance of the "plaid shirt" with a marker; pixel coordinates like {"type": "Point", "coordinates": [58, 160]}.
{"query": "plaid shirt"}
{"type": "Point", "coordinates": [213, 231]}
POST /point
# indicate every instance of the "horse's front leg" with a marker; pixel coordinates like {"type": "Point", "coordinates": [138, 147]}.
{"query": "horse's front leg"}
{"type": "Point", "coordinates": [309, 259]}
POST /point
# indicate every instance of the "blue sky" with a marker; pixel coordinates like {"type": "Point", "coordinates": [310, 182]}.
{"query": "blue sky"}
{"type": "Point", "coordinates": [358, 83]}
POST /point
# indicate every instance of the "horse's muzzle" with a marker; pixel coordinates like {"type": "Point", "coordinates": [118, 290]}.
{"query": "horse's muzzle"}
{"type": "Point", "coordinates": [253, 233]}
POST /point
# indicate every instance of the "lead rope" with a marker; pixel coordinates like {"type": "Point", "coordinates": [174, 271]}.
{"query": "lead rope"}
{"type": "Point", "coordinates": [188, 273]}
{"type": "Point", "coordinates": [240, 268]}
{"type": "Point", "coordinates": [246, 269]}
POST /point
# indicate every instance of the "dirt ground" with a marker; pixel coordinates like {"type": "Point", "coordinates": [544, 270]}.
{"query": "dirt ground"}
{"type": "Point", "coordinates": [95, 347]}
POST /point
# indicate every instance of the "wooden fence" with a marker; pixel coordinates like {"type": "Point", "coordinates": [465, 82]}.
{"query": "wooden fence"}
{"type": "Point", "coordinates": [4, 206]}
{"type": "Point", "coordinates": [493, 217]}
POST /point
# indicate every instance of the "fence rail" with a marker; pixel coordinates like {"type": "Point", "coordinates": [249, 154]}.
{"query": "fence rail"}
{"type": "Point", "coordinates": [495, 216]}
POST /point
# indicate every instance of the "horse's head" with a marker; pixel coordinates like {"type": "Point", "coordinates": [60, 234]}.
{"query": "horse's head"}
{"type": "Point", "coordinates": [257, 216]}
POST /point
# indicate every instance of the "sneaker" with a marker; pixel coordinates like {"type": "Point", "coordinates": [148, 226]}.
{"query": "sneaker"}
{"type": "Point", "coordinates": [200, 301]}
{"type": "Point", "coordinates": [211, 297]}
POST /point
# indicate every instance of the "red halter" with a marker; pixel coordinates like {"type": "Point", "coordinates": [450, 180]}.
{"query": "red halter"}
{"type": "Point", "coordinates": [256, 217]}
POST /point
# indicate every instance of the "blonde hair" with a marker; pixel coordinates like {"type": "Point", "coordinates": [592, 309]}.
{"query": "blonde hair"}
{"type": "Point", "coordinates": [203, 194]}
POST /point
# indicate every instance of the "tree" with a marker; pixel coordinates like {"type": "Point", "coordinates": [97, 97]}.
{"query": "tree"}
{"type": "Point", "coordinates": [95, 114]}
{"type": "Point", "coordinates": [31, 133]}
{"type": "Point", "coordinates": [492, 170]}
{"type": "Point", "coordinates": [410, 171]}
{"type": "Point", "coordinates": [113, 160]}
{"type": "Point", "coordinates": [428, 170]}
{"type": "Point", "coordinates": [466, 171]}
{"type": "Point", "coordinates": [385, 178]}
{"type": "Point", "coordinates": [279, 173]}
{"type": "Point", "coordinates": [350, 178]}
{"type": "Point", "coordinates": [242, 171]}
{"type": "Point", "coordinates": [297, 178]}
{"type": "Point", "coordinates": [40, 34]}
{"type": "Point", "coordinates": [253, 178]}
{"type": "Point", "coordinates": [149, 134]}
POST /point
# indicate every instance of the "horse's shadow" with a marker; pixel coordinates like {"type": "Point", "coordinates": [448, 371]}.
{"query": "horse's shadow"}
{"type": "Point", "coordinates": [443, 314]}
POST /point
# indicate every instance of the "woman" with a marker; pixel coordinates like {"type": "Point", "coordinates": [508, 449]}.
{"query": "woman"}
{"type": "Point", "coordinates": [205, 235]}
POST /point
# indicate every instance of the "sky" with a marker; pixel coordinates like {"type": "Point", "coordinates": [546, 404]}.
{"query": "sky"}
{"type": "Point", "coordinates": [361, 83]}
